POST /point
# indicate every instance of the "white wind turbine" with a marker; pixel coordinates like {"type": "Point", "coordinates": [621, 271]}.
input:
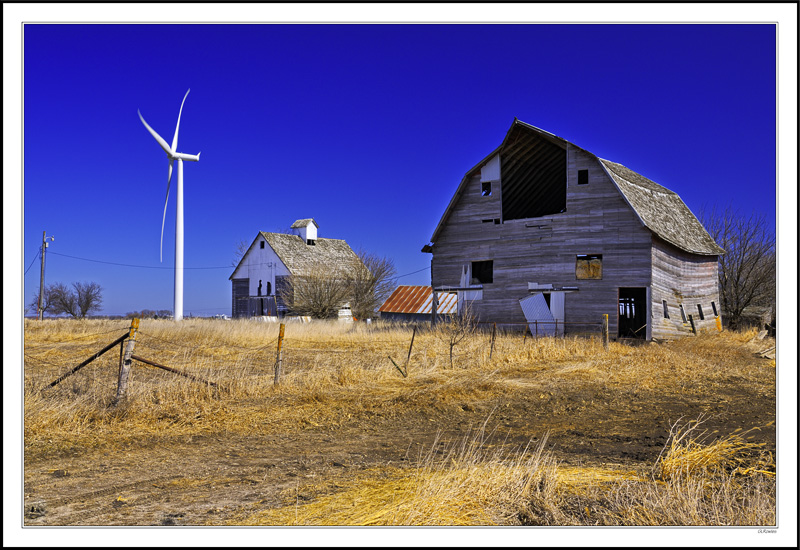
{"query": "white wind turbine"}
{"type": "Point", "coordinates": [173, 155]}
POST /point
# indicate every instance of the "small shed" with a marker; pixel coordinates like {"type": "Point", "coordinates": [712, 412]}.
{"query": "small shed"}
{"type": "Point", "coordinates": [411, 304]}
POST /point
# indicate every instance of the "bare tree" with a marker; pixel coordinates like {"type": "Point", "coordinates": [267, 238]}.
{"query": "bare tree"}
{"type": "Point", "coordinates": [371, 283]}
{"type": "Point", "coordinates": [78, 302]}
{"type": "Point", "coordinates": [747, 270]}
{"type": "Point", "coordinates": [88, 298]}
{"type": "Point", "coordinates": [47, 301]}
{"type": "Point", "coordinates": [319, 292]}
{"type": "Point", "coordinates": [63, 300]}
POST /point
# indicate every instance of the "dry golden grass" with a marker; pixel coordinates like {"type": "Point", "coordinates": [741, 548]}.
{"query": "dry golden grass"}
{"type": "Point", "coordinates": [336, 371]}
{"type": "Point", "coordinates": [462, 484]}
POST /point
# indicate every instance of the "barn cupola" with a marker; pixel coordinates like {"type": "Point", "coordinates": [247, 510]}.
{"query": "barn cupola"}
{"type": "Point", "coordinates": [306, 229]}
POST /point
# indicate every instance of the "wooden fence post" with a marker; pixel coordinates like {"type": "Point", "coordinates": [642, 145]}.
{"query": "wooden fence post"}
{"type": "Point", "coordinates": [125, 364]}
{"type": "Point", "coordinates": [278, 356]}
{"type": "Point", "coordinates": [494, 332]}
{"type": "Point", "coordinates": [605, 331]}
{"type": "Point", "coordinates": [434, 306]}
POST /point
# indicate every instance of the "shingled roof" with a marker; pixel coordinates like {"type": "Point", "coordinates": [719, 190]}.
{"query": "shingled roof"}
{"type": "Point", "coordinates": [301, 258]}
{"type": "Point", "coordinates": [660, 210]}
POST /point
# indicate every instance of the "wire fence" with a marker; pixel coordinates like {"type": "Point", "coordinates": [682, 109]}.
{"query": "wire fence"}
{"type": "Point", "coordinates": [301, 348]}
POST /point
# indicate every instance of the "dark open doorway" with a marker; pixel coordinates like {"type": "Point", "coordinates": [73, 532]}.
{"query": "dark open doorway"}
{"type": "Point", "coordinates": [632, 313]}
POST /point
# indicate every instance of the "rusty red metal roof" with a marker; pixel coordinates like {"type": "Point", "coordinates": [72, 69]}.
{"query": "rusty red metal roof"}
{"type": "Point", "coordinates": [417, 299]}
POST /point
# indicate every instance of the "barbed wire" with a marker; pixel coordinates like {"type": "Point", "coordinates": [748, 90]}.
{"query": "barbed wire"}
{"type": "Point", "coordinates": [207, 346]}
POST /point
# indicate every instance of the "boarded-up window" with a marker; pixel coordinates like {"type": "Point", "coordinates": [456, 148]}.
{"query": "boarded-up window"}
{"type": "Point", "coordinates": [666, 309]}
{"type": "Point", "coordinates": [589, 266]}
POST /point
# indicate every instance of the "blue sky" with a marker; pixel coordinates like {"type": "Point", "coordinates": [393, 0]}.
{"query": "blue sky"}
{"type": "Point", "coordinates": [366, 128]}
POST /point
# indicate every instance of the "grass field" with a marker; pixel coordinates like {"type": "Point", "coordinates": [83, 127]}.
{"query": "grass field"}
{"type": "Point", "coordinates": [545, 432]}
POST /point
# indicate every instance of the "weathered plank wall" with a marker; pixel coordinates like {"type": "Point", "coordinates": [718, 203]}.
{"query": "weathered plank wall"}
{"type": "Point", "coordinates": [684, 279]}
{"type": "Point", "coordinates": [543, 250]}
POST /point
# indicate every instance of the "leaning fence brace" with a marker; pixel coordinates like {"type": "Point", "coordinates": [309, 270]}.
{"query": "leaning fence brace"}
{"type": "Point", "coordinates": [89, 360]}
{"type": "Point", "coordinates": [170, 369]}
{"type": "Point", "coordinates": [126, 356]}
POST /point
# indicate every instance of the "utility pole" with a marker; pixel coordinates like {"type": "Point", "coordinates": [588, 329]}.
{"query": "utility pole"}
{"type": "Point", "coordinates": [41, 277]}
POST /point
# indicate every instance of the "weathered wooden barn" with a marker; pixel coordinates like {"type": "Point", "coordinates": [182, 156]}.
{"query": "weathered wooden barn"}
{"type": "Point", "coordinates": [548, 233]}
{"type": "Point", "coordinates": [414, 304]}
{"type": "Point", "coordinates": [272, 257]}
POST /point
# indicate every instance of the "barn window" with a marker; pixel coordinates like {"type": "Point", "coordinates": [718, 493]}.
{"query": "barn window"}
{"type": "Point", "coordinates": [683, 314]}
{"type": "Point", "coordinates": [589, 266]}
{"type": "Point", "coordinates": [311, 242]}
{"type": "Point", "coordinates": [262, 244]}
{"type": "Point", "coordinates": [486, 188]}
{"type": "Point", "coordinates": [583, 177]}
{"type": "Point", "coordinates": [714, 309]}
{"type": "Point", "coordinates": [666, 309]}
{"type": "Point", "coordinates": [482, 272]}
{"type": "Point", "coordinates": [700, 312]}
{"type": "Point", "coordinates": [495, 221]}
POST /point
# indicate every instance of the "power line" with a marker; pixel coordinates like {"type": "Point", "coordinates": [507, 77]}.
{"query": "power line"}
{"type": "Point", "coordinates": [166, 267]}
{"type": "Point", "coordinates": [407, 274]}
{"type": "Point", "coordinates": [133, 265]}
{"type": "Point", "coordinates": [34, 259]}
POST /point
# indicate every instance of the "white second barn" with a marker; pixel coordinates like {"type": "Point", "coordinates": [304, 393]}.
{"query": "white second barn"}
{"type": "Point", "coordinates": [273, 257]}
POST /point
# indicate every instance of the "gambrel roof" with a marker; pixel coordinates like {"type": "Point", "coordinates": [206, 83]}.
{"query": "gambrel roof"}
{"type": "Point", "coordinates": [660, 210]}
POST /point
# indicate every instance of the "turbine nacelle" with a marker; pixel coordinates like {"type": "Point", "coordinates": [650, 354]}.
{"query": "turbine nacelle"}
{"type": "Point", "coordinates": [183, 156]}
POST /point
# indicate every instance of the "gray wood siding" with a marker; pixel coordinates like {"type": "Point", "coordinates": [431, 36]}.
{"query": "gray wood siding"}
{"type": "Point", "coordinates": [684, 279]}
{"type": "Point", "coordinates": [543, 250]}
{"type": "Point", "coordinates": [239, 294]}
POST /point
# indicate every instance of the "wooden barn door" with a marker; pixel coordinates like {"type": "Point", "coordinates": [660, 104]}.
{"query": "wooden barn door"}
{"type": "Point", "coordinates": [632, 320]}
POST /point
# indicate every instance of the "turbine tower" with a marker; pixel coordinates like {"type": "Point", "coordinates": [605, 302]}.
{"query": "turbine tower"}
{"type": "Point", "coordinates": [173, 155]}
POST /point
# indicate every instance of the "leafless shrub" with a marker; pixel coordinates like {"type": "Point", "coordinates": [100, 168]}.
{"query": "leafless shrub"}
{"type": "Point", "coordinates": [319, 292]}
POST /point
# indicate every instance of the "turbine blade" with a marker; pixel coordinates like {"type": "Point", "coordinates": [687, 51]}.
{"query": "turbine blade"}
{"type": "Point", "coordinates": [159, 139]}
{"type": "Point", "coordinates": [161, 247]}
{"type": "Point", "coordinates": [175, 139]}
